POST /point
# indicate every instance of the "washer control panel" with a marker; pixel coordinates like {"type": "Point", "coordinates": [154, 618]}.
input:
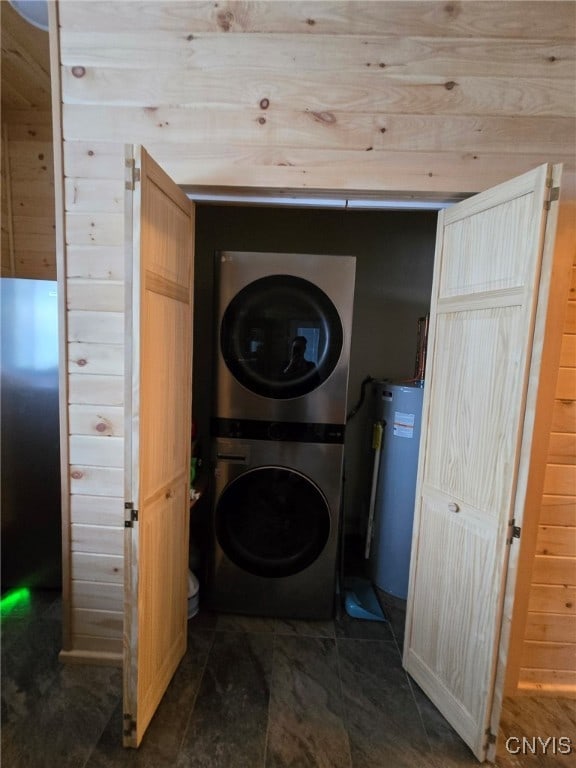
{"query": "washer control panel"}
{"type": "Point", "coordinates": [254, 429]}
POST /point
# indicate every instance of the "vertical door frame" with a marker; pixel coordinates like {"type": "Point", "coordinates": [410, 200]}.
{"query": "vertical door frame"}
{"type": "Point", "coordinates": [60, 242]}
{"type": "Point", "coordinates": [132, 206]}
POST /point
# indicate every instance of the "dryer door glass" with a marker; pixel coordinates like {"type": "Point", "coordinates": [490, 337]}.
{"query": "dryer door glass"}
{"type": "Point", "coordinates": [272, 521]}
{"type": "Point", "coordinates": [281, 336]}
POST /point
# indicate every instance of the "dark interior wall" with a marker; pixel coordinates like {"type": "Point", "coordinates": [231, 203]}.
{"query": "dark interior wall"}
{"type": "Point", "coordinates": [394, 252]}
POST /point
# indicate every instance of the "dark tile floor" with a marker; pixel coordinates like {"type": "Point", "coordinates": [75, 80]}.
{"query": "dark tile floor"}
{"type": "Point", "coordinates": [250, 693]}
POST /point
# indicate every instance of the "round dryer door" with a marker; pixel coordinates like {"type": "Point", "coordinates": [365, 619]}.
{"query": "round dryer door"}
{"type": "Point", "coordinates": [281, 336]}
{"type": "Point", "coordinates": [272, 521]}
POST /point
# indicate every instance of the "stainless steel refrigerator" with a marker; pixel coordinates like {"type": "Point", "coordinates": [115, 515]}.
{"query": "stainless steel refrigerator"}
{"type": "Point", "coordinates": [30, 451]}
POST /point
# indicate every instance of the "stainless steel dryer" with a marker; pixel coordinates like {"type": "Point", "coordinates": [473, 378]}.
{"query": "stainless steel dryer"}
{"type": "Point", "coordinates": [284, 324]}
{"type": "Point", "coordinates": [276, 520]}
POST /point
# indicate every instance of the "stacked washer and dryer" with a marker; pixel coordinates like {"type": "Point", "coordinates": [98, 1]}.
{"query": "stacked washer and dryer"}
{"type": "Point", "coordinates": [283, 336]}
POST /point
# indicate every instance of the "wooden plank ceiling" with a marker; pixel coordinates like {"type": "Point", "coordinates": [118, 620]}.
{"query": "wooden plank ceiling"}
{"type": "Point", "coordinates": [25, 64]}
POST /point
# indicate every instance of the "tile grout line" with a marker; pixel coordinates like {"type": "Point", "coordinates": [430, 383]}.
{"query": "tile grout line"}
{"type": "Point", "coordinates": [399, 650]}
{"type": "Point", "coordinates": [431, 749]}
{"type": "Point", "coordinates": [99, 736]}
{"type": "Point", "coordinates": [345, 722]}
{"type": "Point", "coordinates": [195, 698]}
{"type": "Point", "coordinates": [272, 666]}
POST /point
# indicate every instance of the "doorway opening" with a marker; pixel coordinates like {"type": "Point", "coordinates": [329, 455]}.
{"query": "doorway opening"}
{"type": "Point", "coordinates": [395, 253]}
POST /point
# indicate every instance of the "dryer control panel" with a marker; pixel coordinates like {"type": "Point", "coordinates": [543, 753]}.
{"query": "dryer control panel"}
{"type": "Point", "coordinates": [254, 429]}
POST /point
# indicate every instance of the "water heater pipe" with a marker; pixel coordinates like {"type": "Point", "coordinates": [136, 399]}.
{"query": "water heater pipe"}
{"type": "Point", "coordinates": [421, 347]}
{"type": "Point", "coordinates": [377, 431]}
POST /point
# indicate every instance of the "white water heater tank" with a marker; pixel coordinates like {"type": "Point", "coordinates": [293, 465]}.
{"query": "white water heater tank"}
{"type": "Point", "coordinates": [399, 407]}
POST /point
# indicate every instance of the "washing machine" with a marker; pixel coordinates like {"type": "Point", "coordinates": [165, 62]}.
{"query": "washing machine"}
{"type": "Point", "coordinates": [276, 520]}
{"type": "Point", "coordinates": [284, 325]}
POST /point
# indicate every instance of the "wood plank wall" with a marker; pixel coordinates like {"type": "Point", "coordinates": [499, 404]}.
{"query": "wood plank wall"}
{"type": "Point", "coordinates": [548, 661]}
{"type": "Point", "coordinates": [434, 98]}
{"type": "Point", "coordinates": [28, 226]}
{"type": "Point", "coordinates": [94, 194]}
{"type": "Point", "coordinates": [410, 96]}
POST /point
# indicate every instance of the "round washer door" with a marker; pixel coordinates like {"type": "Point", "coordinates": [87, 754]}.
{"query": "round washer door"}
{"type": "Point", "coordinates": [272, 521]}
{"type": "Point", "coordinates": [281, 336]}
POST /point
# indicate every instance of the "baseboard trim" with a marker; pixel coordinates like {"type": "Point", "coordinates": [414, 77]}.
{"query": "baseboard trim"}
{"type": "Point", "coordinates": [91, 657]}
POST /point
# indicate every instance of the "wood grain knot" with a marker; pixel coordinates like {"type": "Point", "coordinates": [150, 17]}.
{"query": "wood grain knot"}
{"type": "Point", "coordinates": [452, 9]}
{"type": "Point", "coordinates": [328, 118]}
{"type": "Point", "coordinates": [225, 20]}
{"type": "Point", "coordinates": [81, 362]}
{"type": "Point", "coordinates": [78, 71]}
{"type": "Point", "coordinates": [262, 120]}
{"type": "Point", "coordinates": [264, 103]}
{"type": "Point", "coordinates": [101, 426]}
{"type": "Point", "coordinates": [77, 475]}
{"type": "Point", "coordinates": [449, 85]}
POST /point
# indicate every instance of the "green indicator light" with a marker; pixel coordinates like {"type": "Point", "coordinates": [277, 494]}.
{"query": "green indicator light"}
{"type": "Point", "coordinates": [14, 599]}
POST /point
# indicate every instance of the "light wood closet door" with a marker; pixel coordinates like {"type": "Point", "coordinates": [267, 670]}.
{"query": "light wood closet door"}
{"type": "Point", "coordinates": [476, 434]}
{"type": "Point", "coordinates": [158, 413]}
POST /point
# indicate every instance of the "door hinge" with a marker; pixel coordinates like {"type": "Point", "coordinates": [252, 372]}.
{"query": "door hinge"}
{"type": "Point", "coordinates": [553, 195]}
{"type": "Point", "coordinates": [132, 174]}
{"type": "Point", "coordinates": [490, 738]}
{"type": "Point", "coordinates": [129, 725]}
{"type": "Point", "coordinates": [514, 531]}
{"type": "Point", "coordinates": [130, 514]}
